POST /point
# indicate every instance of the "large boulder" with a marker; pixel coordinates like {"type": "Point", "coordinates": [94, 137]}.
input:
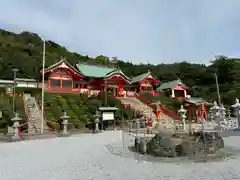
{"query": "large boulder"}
{"type": "Point", "coordinates": [161, 145]}
{"type": "Point", "coordinates": [198, 144]}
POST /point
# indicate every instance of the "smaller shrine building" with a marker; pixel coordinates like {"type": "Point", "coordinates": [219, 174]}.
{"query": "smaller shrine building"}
{"type": "Point", "coordinates": [176, 89]}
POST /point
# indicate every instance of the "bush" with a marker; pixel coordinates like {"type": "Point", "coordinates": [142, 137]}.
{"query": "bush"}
{"type": "Point", "coordinates": [79, 108]}
{"type": "Point", "coordinates": [7, 113]}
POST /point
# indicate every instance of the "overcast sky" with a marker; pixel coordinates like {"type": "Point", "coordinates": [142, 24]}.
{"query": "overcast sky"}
{"type": "Point", "coordinates": [153, 31]}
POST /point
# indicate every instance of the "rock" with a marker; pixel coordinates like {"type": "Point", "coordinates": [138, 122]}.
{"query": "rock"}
{"type": "Point", "coordinates": [161, 145]}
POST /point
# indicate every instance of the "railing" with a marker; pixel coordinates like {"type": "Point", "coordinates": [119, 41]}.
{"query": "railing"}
{"type": "Point", "coordinates": [163, 109]}
{"type": "Point", "coordinates": [67, 90]}
{"type": "Point", "coordinates": [50, 124]}
{"type": "Point", "coordinates": [94, 92]}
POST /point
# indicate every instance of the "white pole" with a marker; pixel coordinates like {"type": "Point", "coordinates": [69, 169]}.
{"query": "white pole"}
{"type": "Point", "coordinates": [218, 93]}
{"type": "Point", "coordinates": [43, 85]}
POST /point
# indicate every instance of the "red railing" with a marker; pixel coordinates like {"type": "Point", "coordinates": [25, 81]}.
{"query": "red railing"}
{"type": "Point", "coordinates": [163, 109]}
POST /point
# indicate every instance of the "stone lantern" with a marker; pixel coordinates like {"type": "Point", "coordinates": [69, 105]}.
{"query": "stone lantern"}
{"type": "Point", "coordinates": [16, 119]}
{"type": "Point", "coordinates": [222, 113]}
{"type": "Point", "coordinates": [64, 122]}
{"type": "Point", "coordinates": [214, 111]}
{"type": "Point", "coordinates": [97, 116]}
{"type": "Point", "coordinates": [236, 107]}
{"type": "Point", "coordinates": [182, 113]}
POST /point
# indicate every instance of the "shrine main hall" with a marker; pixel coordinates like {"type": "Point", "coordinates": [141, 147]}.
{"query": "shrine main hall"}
{"type": "Point", "coordinates": [62, 76]}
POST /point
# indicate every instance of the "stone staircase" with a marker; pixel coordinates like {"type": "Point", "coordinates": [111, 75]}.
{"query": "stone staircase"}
{"type": "Point", "coordinates": [147, 111]}
{"type": "Point", "coordinates": [33, 112]}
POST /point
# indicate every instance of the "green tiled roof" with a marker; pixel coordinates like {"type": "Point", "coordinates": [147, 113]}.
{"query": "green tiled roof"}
{"type": "Point", "coordinates": [140, 77]}
{"type": "Point", "coordinates": [170, 84]}
{"type": "Point", "coordinates": [197, 101]}
{"type": "Point", "coordinates": [94, 71]}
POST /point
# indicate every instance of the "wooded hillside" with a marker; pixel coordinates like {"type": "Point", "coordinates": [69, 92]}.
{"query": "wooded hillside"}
{"type": "Point", "coordinates": [24, 51]}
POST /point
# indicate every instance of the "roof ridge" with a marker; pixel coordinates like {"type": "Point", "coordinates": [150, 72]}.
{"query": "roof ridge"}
{"type": "Point", "coordinates": [141, 74]}
{"type": "Point", "coordinates": [96, 65]}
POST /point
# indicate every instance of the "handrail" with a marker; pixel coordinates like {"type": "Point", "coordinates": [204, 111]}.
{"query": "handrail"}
{"type": "Point", "coordinates": [44, 115]}
{"type": "Point", "coordinates": [163, 109]}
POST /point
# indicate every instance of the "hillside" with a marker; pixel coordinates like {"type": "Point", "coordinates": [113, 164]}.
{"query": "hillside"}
{"type": "Point", "coordinates": [24, 51]}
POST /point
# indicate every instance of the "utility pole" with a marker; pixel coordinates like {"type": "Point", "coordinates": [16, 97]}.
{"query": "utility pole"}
{"type": "Point", "coordinates": [43, 85]}
{"type": "Point", "coordinates": [15, 70]}
{"type": "Point", "coordinates": [218, 93]}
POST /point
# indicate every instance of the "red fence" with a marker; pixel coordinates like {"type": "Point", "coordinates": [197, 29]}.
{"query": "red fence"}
{"type": "Point", "coordinates": [163, 109]}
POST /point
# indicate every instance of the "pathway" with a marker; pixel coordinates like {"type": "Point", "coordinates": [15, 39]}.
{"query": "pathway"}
{"type": "Point", "coordinates": [86, 157]}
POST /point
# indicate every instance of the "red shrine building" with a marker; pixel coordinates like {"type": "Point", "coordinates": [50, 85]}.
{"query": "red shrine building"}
{"type": "Point", "coordinates": [91, 79]}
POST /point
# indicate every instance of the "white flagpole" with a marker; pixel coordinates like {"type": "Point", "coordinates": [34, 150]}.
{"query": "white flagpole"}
{"type": "Point", "coordinates": [43, 85]}
{"type": "Point", "coordinates": [217, 85]}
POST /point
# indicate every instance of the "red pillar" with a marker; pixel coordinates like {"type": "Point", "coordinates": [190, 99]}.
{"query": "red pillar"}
{"type": "Point", "coordinates": [48, 84]}
{"type": "Point", "coordinates": [187, 114]}
{"type": "Point", "coordinates": [196, 113]}
{"type": "Point", "coordinates": [203, 108]}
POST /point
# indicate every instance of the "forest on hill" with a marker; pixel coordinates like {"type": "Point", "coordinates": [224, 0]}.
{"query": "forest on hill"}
{"type": "Point", "coordinates": [24, 51]}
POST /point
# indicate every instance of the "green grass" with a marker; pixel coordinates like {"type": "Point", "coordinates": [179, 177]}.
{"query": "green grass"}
{"type": "Point", "coordinates": [80, 108]}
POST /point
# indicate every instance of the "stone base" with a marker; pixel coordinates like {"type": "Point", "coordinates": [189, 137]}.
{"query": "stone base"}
{"type": "Point", "coordinates": [97, 131]}
{"type": "Point", "coordinates": [64, 134]}
{"type": "Point", "coordinates": [237, 129]}
{"type": "Point", "coordinates": [15, 138]}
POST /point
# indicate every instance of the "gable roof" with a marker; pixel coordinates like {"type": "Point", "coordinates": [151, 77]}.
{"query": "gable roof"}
{"type": "Point", "coordinates": [118, 71]}
{"type": "Point", "coordinates": [59, 63]}
{"type": "Point", "coordinates": [170, 84]}
{"type": "Point", "coordinates": [93, 70]}
{"type": "Point", "coordinates": [141, 77]}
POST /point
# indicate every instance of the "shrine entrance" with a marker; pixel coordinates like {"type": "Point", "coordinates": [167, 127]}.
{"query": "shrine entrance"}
{"type": "Point", "coordinates": [115, 90]}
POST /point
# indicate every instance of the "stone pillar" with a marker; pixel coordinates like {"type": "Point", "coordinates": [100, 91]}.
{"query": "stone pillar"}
{"type": "Point", "coordinates": [15, 126]}
{"type": "Point", "coordinates": [173, 93]}
{"type": "Point", "coordinates": [182, 113]}
{"type": "Point", "coordinates": [64, 122]}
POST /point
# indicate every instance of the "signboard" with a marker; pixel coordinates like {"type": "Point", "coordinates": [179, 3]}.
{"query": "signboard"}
{"type": "Point", "coordinates": [107, 116]}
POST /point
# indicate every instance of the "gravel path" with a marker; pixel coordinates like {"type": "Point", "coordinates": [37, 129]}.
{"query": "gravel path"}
{"type": "Point", "coordinates": [86, 157]}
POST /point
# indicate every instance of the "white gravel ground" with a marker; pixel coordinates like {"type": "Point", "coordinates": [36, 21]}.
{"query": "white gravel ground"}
{"type": "Point", "coordinates": [86, 157]}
